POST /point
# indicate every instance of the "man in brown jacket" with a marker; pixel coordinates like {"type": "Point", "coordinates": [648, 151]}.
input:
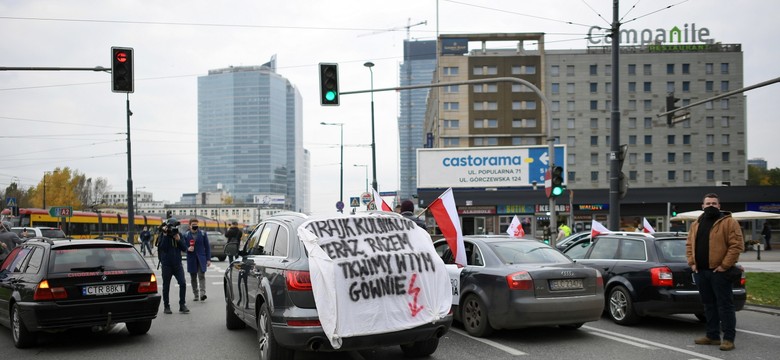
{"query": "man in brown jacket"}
{"type": "Point", "coordinates": [713, 247]}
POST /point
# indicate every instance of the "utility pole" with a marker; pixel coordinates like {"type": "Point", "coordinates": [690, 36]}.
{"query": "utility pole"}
{"type": "Point", "coordinates": [614, 136]}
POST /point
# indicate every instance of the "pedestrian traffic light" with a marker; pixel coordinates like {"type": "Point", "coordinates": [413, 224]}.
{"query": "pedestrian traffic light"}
{"type": "Point", "coordinates": [556, 182]}
{"type": "Point", "coordinates": [670, 106]}
{"type": "Point", "coordinates": [329, 84]}
{"type": "Point", "coordinates": [674, 210]}
{"type": "Point", "coordinates": [121, 70]}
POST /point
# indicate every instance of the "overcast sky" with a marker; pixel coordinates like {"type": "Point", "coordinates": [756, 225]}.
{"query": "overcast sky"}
{"type": "Point", "coordinates": [57, 119]}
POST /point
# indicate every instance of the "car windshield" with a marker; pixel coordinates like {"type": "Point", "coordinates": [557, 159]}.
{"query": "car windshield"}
{"type": "Point", "coordinates": [76, 259]}
{"type": "Point", "coordinates": [52, 233]}
{"type": "Point", "coordinates": [671, 250]}
{"type": "Point", "coordinates": [527, 252]}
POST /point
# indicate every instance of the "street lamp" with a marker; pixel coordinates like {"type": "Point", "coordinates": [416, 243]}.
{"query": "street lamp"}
{"type": "Point", "coordinates": [363, 166]}
{"type": "Point", "coordinates": [341, 164]}
{"type": "Point", "coordinates": [135, 195]}
{"type": "Point", "coordinates": [370, 66]}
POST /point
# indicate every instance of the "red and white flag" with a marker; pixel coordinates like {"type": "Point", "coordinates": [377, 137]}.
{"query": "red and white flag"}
{"type": "Point", "coordinates": [596, 228]}
{"type": "Point", "coordinates": [380, 203]}
{"type": "Point", "coordinates": [446, 214]}
{"type": "Point", "coordinates": [646, 226]}
{"type": "Point", "coordinates": [515, 228]}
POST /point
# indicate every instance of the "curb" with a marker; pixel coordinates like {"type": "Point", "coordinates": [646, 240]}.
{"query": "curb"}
{"type": "Point", "coordinates": [771, 310]}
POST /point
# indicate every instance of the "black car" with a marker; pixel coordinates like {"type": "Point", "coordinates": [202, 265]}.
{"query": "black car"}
{"type": "Point", "coordinates": [511, 283]}
{"type": "Point", "coordinates": [269, 288]}
{"type": "Point", "coordinates": [53, 285]}
{"type": "Point", "coordinates": [646, 274]}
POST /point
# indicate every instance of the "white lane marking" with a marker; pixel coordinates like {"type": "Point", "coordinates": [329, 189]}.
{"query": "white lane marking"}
{"type": "Point", "coordinates": [653, 343]}
{"type": "Point", "coordinates": [510, 350]}
{"type": "Point", "coordinates": [632, 343]}
{"type": "Point", "coordinates": [759, 334]}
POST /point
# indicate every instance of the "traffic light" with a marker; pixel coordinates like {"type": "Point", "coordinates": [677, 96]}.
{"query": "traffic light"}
{"type": "Point", "coordinates": [674, 210]}
{"type": "Point", "coordinates": [670, 106]}
{"type": "Point", "coordinates": [121, 70]}
{"type": "Point", "coordinates": [556, 182]}
{"type": "Point", "coordinates": [329, 84]}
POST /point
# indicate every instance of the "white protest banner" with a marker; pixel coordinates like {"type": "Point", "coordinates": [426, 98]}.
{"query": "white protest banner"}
{"type": "Point", "coordinates": [454, 273]}
{"type": "Point", "coordinates": [374, 273]}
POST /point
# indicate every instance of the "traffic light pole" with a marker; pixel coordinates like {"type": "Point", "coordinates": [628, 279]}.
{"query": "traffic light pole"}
{"type": "Point", "coordinates": [130, 198]}
{"type": "Point", "coordinates": [548, 117]}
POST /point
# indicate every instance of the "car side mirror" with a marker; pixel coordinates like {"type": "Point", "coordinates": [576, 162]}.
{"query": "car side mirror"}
{"type": "Point", "coordinates": [231, 249]}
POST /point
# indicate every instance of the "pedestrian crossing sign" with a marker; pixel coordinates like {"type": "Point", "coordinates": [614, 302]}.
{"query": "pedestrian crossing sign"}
{"type": "Point", "coordinates": [354, 201]}
{"type": "Point", "coordinates": [10, 202]}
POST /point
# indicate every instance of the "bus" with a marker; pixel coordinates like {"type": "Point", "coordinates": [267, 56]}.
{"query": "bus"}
{"type": "Point", "coordinates": [86, 224]}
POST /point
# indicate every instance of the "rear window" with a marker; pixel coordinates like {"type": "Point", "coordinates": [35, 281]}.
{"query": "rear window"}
{"type": "Point", "coordinates": [527, 252]}
{"type": "Point", "coordinates": [78, 259]}
{"type": "Point", "coordinates": [671, 250]}
{"type": "Point", "coordinates": [52, 233]}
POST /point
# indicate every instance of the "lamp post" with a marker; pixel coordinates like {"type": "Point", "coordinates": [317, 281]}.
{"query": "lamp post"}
{"type": "Point", "coordinates": [370, 66]}
{"type": "Point", "coordinates": [366, 167]}
{"type": "Point", "coordinates": [341, 163]}
{"type": "Point", "coordinates": [135, 195]}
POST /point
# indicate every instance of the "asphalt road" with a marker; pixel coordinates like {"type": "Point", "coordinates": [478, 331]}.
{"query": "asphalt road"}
{"type": "Point", "coordinates": [201, 334]}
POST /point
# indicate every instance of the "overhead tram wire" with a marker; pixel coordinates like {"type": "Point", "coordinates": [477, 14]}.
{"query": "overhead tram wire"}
{"type": "Point", "coordinates": [653, 12]}
{"type": "Point", "coordinates": [517, 13]}
{"type": "Point", "coordinates": [596, 12]}
{"type": "Point", "coordinates": [629, 11]}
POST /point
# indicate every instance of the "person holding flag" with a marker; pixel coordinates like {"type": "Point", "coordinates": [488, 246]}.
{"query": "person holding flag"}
{"type": "Point", "coordinates": [515, 228]}
{"type": "Point", "coordinates": [446, 214]}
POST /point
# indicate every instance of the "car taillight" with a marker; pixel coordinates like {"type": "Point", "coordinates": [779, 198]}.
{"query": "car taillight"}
{"type": "Point", "coordinates": [520, 281]}
{"type": "Point", "coordinates": [742, 278]}
{"type": "Point", "coordinates": [148, 286]}
{"type": "Point", "coordinates": [298, 281]}
{"type": "Point", "coordinates": [304, 322]}
{"type": "Point", "coordinates": [661, 276]}
{"type": "Point", "coordinates": [44, 292]}
{"type": "Point", "coordinates": [599, 279]}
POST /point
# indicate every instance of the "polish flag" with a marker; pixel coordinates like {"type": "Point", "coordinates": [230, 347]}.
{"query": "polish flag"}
{"type": "Point", "coordinates": [515, 228]}
{"type": "Point", "coordinates": [596, 228]}
{"type": "Point", "coordinates": [383, 205]}
{"type": "Point", "coordinates": [446, 214]}
{"type": "Point", "coordinates": [646, 226]}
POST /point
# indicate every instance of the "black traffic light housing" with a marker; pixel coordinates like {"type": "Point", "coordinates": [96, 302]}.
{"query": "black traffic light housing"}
{"type": "Point", "coordinates": [121, 70]}
{"type": "Point", "coordinates": [670, 106]}
{"type": "Point", "coordinates": [674, 210]}
{"type": "Point", "coordinates": [329, 84]}
{"type": "Point", "coordinates": [556, 182]}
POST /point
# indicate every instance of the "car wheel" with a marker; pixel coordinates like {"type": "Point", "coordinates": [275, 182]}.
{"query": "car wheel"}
{"type": "Point", "coordinates": [701, 317]}
{"type": "Point", "coordinates": [138, 327]}
{"type": "Point", "coordinates": [269, 348]}
{"type": "Point", "coordinates": [475, 319]}
{"type": "Point", "coordinates": [621, 308]}
{"type": "Point", "coordinates": [420, 348]}
{"type": "Point", "coordinates": [221, 258]}
{"type": "Point", "coordinates": [232, 321]}
{"type": "Point", "coordinates": [22, 337]}
{"type": "Point", "coordinates": [571, 326]}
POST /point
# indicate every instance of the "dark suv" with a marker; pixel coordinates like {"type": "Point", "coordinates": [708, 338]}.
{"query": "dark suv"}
{"type": "Point", "coordinates": [646, 274]}
{"type": "Point", "coordinates": [269, 288]}
{"type": "Point", "coordinates": [53, 285]}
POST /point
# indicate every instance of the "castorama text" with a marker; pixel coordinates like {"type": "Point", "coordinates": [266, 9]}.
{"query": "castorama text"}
{"type": "Point", "coordinates": [488, 167]}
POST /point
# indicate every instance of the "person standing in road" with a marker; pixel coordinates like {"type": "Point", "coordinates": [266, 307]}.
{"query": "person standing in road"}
{"type": "Point", "coordinates": [198, 259]}
{"type": "Point", "coordinates": [169, 249]}
{"type": "Point", "coordinates": [233, 236]}
{"type": "Point", "coordinates": [407, 211]}
{"type": "Point", "coordinates": [713, 247]}
{"type": "Point", "coordinates": [146, 241]}
{"type": "Point", "coordinates": [563, 232]}
{"type": "Point", "coordinates": [8, 239]}
{"type": "Point", "coordinates": [767, 232]}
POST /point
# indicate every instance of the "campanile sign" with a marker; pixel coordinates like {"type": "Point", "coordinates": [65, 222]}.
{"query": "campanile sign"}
{"type": "Point", "coordinates": [687, 34]}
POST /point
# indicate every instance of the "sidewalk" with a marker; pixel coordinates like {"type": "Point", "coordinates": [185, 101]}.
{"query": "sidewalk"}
{"type": "Point", "coordinates": [770, 261]}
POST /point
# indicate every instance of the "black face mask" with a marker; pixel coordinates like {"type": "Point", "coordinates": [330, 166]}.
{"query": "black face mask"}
{"type": "Point", "coordinates": [711, 212]}
{"type": "Point", "coordinates": [194, 228]}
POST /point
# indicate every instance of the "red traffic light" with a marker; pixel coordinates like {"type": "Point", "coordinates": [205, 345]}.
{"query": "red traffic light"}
{"type": "Point", "coordinates": [121, 56]}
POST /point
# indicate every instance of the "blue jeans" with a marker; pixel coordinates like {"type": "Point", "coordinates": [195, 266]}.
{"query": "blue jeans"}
{"type": "Point", "coordinates": [178, 272]}
{"type": "Point", "coordinates": [146, 245]}
{"type": "Point", "coordinates": [717, 294]}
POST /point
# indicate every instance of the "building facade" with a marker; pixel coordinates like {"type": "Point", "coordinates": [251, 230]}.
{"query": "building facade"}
{"type": "Point", "coordinates": [708, 149]}
{"type": "Point", "coordinates": [417, 68]}
{"type": "Point", "coordinates": [249, 135]}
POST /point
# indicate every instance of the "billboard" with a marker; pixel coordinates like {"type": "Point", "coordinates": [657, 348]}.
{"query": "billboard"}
{"type": "Point", "coordinates": [485, 167]}
{"type": "Point", "coordinates": [268, 199]}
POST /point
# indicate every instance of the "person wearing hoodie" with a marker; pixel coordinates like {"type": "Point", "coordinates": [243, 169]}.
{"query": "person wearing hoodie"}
{"type": "Point", "coordinates": [713, 247]}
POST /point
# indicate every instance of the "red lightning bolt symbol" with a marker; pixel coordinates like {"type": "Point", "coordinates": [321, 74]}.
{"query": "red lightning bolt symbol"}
{"type": "Point", "coordinates": [415, 291]}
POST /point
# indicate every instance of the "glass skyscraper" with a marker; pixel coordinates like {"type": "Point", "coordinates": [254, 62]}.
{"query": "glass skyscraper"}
{"type": "Point", "coordinates": [417, 68]}
{"type": "Point", "coordinates": [250, 137]}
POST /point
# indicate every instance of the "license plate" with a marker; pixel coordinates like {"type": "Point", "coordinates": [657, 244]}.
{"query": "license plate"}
{"type": "Point", "coordinates": [566, 284]}
{"type": "Point", "coordinates": [99, 290]}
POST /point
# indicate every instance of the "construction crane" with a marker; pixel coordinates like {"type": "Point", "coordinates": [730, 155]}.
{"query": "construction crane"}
{"type": "Point", "coordinates": [408, 26]}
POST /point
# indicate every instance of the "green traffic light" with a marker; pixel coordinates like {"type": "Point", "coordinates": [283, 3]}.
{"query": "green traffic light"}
{"type": "Point", "coordinates": [330, 95]}
{"type": "Point", "coordinates": [557, 191]}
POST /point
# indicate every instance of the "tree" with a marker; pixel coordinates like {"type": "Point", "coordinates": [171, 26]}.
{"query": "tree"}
{"type": "Point", "coordinates": [59, 189]}
{"type": "Point", "coordinates": [760, 177]}
{"type": "Point", "coordinates": [23, 196]}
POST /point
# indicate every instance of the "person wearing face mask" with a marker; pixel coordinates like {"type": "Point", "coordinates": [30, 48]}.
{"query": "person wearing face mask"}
{"type": "Point", "coordinates": [198, 258]}
{"type": "Point", "coordinates": [713, 247]}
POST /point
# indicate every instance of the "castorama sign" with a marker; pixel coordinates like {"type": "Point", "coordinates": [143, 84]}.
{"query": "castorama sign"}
{"type": "Point", "coordinates": [675, 35]}
{"type": "Point", "coordinates": [485, 167]}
